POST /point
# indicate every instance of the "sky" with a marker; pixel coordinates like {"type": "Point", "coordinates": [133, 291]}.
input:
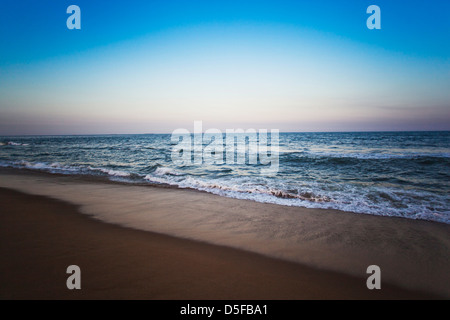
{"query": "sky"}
{"type": "Point", "coordinates": [155, 66]}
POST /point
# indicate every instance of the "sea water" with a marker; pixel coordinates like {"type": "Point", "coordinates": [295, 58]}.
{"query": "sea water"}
{"type": "Point", "coordinates": [402, 174]}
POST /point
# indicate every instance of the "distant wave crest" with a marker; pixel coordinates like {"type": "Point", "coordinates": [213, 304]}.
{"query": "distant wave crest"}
{"type": "Point", "coordinates": [12, 143]}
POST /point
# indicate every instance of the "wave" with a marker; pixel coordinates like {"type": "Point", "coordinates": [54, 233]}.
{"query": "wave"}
{"type": "Point", "coordinates": [59, 168]}
{"type": "Point", "coordinates": [12, 143]}
{"type": "Point", "coordinates": [52, 167]}
{"type": "Point", "coordinates": [161, 171]}
{"type": "Point", "coordinates": [171, 177]}
{"type": "Point", "coordinates": [376, 200]}
{"type": "Point", "coordinates": [111, 172]}
{"type": "Point", "coordinates": [364, 156]}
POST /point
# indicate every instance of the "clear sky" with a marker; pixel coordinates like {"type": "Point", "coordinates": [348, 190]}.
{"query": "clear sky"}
{"type": "Point", "coordinates": [154, 66]}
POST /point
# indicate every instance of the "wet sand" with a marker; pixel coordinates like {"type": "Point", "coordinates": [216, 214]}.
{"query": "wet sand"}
{"type": "Point", "coordinates": [40, 237]}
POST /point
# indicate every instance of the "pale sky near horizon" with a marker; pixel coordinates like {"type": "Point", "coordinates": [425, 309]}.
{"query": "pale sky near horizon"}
{"type": "Point", "coordinates": [160, 65]}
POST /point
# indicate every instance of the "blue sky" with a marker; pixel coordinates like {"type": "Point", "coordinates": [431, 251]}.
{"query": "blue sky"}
{"type": "Point", "coordinates": [154, 66]}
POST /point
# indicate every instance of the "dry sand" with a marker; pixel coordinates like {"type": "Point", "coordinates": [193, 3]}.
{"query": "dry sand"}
{"type": "Point", "coordinates": [40, 237]}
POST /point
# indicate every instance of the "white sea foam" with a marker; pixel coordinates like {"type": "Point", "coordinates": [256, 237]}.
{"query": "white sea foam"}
{"type": "Point", "coordinates": [12, 143]}
{"type": "Point", "coordinates": [111, 172]}
{"type": "Point", "coordinates": [161, 171]}
{"type": "Point", "coordinates": [379, 156]}
{"type": "Point", "coordinates": [378, 201]}
{"type": "Point", "coordinates": [56, 167]}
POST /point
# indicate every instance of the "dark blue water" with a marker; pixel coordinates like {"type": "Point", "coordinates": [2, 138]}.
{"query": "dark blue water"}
{"type": "Point", "coordinates": [404, 174]}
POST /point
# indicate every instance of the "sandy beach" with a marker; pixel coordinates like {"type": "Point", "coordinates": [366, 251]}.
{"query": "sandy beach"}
{"type": "Point", "coordinates": [41, 236]}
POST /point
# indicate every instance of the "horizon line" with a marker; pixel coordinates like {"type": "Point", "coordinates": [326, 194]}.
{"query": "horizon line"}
{"type": "Point", "coordinates": [135, 134]}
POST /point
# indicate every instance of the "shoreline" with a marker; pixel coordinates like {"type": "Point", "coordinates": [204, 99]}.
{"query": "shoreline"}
{"type": "Point", "coordinates": [122, 263]}
{"type": "Point", "coordinates": [412, 254]}
{"type": "Point", "coordinates": [149, 184]}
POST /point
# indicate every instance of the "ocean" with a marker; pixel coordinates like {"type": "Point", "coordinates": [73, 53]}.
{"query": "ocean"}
{"type": "Point", "coordinates": [401, 174]}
